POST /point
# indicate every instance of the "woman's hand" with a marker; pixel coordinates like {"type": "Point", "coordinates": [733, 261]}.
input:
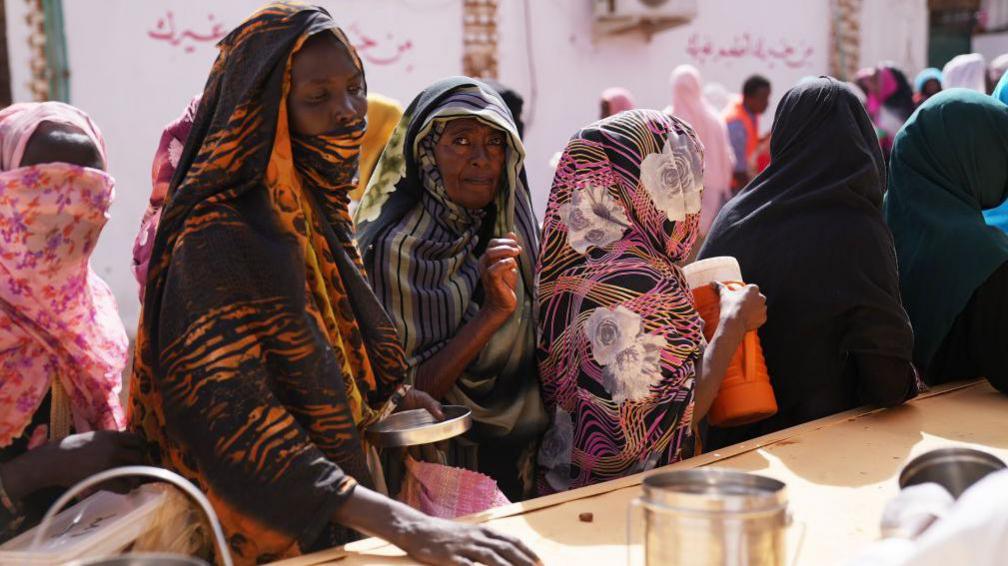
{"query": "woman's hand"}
{"type": "Point", "coordinates": [745, 306]}
{"type": "Point", "coordinates": [416, 399]}
{"type": "Point", "coordinates": [428, 539]}
{"type": "Point", "coordinates": [82, 455]}
{"type": "Point", "coordinates": [742, 310]}
{"type": "Point", "coordinates": [499, 274]}
{"type": "Point", "coordinates": [70, 460]}
{"type": "Point", "coordinates": [437, 541]}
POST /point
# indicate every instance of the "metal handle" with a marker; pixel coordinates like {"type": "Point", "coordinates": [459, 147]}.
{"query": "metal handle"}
{"type": "Point", "coordinates": [147, 471]}
{"type": "Point", "coordinates": [635, 504]}
{"type": "Point", "coordinates": [791, 523]}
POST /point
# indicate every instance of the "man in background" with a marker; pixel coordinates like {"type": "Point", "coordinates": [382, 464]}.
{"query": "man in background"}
{"type": "Point", "coordinates": [742, 119]}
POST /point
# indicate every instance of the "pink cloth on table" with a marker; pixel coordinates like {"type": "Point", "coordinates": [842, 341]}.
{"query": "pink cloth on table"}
{"type": "Point", "coordinates": [689, 104]}
{"type": "Point", "coordinates": [619, 99]}
{"type": "Point", "coordinates": [166, 160]}
{"type": "Point", "coordinates": [58, 319]}
{"type": "Point", "coordinates": [447, 492]}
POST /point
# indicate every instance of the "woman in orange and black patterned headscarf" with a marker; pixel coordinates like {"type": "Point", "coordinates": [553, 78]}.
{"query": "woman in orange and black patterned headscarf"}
{"type": "Point", "coordinates": [262, 353]}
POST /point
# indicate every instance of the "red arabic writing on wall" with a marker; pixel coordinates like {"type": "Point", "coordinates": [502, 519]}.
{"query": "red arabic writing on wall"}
{"type": "Point", "coordinates": [792, 55]}
{"type": "Point", "coordinates": [374, 51]}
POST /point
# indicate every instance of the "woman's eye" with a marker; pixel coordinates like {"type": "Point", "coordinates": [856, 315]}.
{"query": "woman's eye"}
{"type": "Point", "coordinates": [497, 141]}
{"type": "Point", "coordinates": [316, 98]}
{"type": "Point", "coordinates": [461, 141]}
{"type": "Point", "coordinates": [357, 89]}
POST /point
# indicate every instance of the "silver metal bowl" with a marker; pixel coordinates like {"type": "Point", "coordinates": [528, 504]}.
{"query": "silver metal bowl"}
{"type": "Point", "coordinates": [143, 559]}
{"type": "Point", "coordinates": [417, 426]}
{"type": "Point", "coordinates": [955, 469]}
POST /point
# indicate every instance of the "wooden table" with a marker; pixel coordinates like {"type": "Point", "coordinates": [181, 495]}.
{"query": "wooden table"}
{"type": "Point", "coordinates": [840, 472]}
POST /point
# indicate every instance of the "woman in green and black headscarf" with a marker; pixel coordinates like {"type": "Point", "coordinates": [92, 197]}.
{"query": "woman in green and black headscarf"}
{"type": "Point", "coordinates": [449, 242]}
{"type": "Point", "coordinates": [949, 163]}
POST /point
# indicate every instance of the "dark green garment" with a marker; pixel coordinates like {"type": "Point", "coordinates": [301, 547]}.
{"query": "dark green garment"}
{"type": "Point", "coordinates": [949, 162]}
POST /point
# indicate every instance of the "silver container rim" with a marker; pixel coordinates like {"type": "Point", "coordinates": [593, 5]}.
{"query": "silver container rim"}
{"type": "Point", "coordinates": [713, 490]}
{"type": "Point", "coordinates": [940, 456]}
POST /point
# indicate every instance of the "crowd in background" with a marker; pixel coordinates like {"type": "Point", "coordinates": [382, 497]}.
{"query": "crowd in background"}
{"type": "Point", "coordinates": [315, 257]}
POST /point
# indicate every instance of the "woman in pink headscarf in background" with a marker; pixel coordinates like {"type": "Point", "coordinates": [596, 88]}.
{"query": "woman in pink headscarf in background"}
{"type": "Point", "coordinates": [889, 101]}
{"type": "Point", "coordinates": [62, 344]}
{"type": "Point", "coordinates": [689, 105]}
{"type": "Point", "coordinates": [615, 100]}
{"type": "Point", "coordinates": [166, 159]}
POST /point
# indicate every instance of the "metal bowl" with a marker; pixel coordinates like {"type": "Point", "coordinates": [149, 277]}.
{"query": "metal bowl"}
{"type": "Point", "coordinates": [417, 426]}
{"type": "Point", "coordinates": [955, 469]}
{"type": "Point", "coordinates": [143, 559]}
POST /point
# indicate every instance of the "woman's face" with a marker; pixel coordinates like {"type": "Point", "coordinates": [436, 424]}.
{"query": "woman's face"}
{"type": "Point", "coordinates": [61, 143]}
{"type": "Point", "coordinates": [470, 157]}
{"type": "Point", "coordinates": [931, 88]}
{"type": "Point", "coordinates": [327, 89]}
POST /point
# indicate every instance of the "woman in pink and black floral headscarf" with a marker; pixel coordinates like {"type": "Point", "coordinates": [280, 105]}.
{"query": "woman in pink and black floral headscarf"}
{"type": "Point", "coordinates": [626, 372]}
{"type": "Point", "coordinates": [166, 160]}
{"type": "Point", "coordinates": [62, 344]}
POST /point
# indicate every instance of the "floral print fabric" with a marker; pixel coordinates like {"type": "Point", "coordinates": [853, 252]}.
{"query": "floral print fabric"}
{"type": "Point", "coordinates": [58, 319]}
{"type": "Point", "coordinates": [166, 160]}
{"type": "Point", "coordinates": [619, 338]}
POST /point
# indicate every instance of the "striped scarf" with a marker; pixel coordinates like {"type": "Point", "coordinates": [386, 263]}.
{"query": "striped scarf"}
{"type": "Point", "coordinates": [421, 253]}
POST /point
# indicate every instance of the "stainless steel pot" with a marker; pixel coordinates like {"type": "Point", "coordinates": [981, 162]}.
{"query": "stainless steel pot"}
{"type": "Point", "coordinates": [714, 517]}
{"type": "Point", "coordinates": [955, 469]}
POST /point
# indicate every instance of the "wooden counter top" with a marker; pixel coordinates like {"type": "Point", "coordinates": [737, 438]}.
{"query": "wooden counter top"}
{"type": "Point", "coordinates": [840, 472]}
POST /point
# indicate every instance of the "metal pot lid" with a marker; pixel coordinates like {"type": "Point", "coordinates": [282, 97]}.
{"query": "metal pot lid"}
{"type": "Point", "coordinates": [417, 426]}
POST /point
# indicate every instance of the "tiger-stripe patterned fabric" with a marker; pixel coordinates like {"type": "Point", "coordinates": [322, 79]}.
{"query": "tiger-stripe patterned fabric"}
{"type": "Point", "coordinates": [619, 337]}
{"type": "Point", "coordinates": [262, 351]}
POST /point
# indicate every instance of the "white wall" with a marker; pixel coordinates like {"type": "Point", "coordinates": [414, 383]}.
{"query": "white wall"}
{"type": "Point", "coordinates": [133, 84]}
{"type": "Point", "coordinates": [572, 69]}
{"type": "Point", "coordinates": [897, 31]}
{"type": "Point", "coordinates": [991, 45]}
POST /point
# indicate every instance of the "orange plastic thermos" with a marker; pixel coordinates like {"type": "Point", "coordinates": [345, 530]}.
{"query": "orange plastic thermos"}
{"type": "Point", "coordinates": [746, 395]}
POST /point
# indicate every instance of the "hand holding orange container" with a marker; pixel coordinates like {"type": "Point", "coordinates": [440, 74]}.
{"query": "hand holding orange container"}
{"type": "Point", "coordinates": [746, 395]}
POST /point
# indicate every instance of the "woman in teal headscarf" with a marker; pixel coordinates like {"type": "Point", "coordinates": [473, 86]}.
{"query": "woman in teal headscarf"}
{"type": "Point", "coordinates": [949, 162]}
{"type": "Point", "coordinates": [998, 217]}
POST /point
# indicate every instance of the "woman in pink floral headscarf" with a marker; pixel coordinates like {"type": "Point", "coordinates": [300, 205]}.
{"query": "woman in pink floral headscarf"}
{"type": "Point", "coordinates": [62, 344]}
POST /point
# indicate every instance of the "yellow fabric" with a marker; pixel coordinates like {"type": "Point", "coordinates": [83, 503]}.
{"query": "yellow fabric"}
{"type": "Point", "coordinates": [60, 413]}
{"type": "Point", "coordinates": [382, 116]}
{"type": "Point", "coordinates": [283, 182]}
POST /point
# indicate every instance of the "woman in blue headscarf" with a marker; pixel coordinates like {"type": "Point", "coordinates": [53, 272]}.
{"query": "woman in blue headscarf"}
{"type": "Point", "coordinates": [927, 84]}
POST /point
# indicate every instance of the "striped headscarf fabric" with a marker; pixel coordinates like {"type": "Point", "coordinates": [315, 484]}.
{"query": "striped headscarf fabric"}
{"type": "Point", "coordinates": [619, 337]}
{"type": "Point", "coordinates": [262, 352]}
{"type": "Point", "coordinates": [422, 253]}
